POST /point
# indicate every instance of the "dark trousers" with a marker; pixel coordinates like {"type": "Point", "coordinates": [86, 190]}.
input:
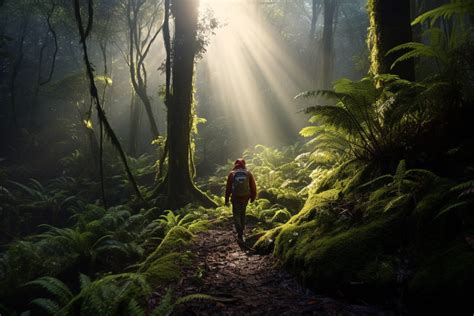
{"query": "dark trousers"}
{"type": "Point", "coordinates": [238, 213]}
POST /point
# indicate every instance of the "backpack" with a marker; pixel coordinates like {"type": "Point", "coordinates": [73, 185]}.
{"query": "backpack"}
{"type": "Point", "coordinates": [241, 183]}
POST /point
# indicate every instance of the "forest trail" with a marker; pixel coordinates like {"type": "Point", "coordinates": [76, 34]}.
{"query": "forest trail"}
{"type": "Point", "coordinates": [248, 283]}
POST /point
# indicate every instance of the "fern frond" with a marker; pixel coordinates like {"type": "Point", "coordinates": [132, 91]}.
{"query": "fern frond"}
{"type": "Point", "coordinates": [309, 131]}
{"type": "Point", "coordinates": [50, 306]}
{"type": "Point", "coordinates": [55, 287]}
{"type": "Point", "coordinates": [198, 296]}
{"type": "Point", "coordinates": [463, 186]}
{"type": "Point", "coordinates": [376, 183]}
{"type": "Point", "coordinates": [446, 11]}
{"type": "Point", "coordinates": [334, 115]}
{"type": "Point", "coordinates": [84, 281]}
{"type": "Point", "coordinates": [451, 207]}
{"type": "Point", "coordinates": [134, 309]}
{"type": "Point", "coordinates": [166, 305]}
{"type": "Point", "coordinates": [397, 202]}
{"type": "Point", "coordinates": [416, 50]}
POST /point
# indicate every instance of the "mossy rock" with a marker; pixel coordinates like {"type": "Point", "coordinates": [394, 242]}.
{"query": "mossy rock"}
{"type": "Point", "coordinates": [330, 261]}
{"type": "Point", "coordinates": [266, 242]}
{"type": "Point", "coordinates": [270, 195]}
{"type": "Point", "coordinates": [314, 202]}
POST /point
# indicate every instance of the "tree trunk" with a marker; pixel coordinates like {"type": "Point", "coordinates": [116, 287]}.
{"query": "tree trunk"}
{"type": "Point", "coordinates": [314, 19]}
{"type": "Point", "coordinates": [134, 123]}
{"type": "Point", "coordinates": [179, 187]}
{"type": "Point", "coordinates": [389, 27]}
{"type": "Point", "coordinates": [15, 70]}
{"type": "Point", "coordinates": [149, 112]}
{"type": "Point", "coordinates": [330, 9]}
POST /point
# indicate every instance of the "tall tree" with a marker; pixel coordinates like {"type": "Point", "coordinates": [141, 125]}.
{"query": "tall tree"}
{"type": "Point", "coordinates": [178, 187]}
{"type": "Point", "coordinates": [389, 27]}
{"type": "Point", "coordinates": [142, 16]}
{"type": "Point", "coordinates": [330, 13]}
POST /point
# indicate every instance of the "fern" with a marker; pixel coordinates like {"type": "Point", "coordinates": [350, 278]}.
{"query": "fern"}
{"type": "Point", "coordinates": [53, 286]}
{"type": "Point", "coordinates": [50, 306]}
{"type": "Point", "coordinates": [134, 309]}
{"type": "Point", "coordinates": [56, 288]}
{"type": "Point", "coordinates": [397, 202]}
{"type": "Point", "coordinates": [367, 121]}
{"type": "Point", "coordinates": [442, 44]}
{"type": "Point", "coordinates": [466, 197]}
{"type": "Point", "coordinates": [199, 296]}
{"type": "Point", "coordinates": [465, 186]}
{"type": "Point", "coordinates": [415, 50]}
{"type": "Point", "coordinates": [166, 305]}
{"type": "Point", "coordinates": [446, 11]}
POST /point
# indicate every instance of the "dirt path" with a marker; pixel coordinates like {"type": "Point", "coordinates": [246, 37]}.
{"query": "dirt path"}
{"type": "Point", "coordinates": [250, 283]}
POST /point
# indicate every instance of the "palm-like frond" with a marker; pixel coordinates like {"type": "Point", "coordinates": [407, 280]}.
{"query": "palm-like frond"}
{"type": "Point", "coordinates": [446, 11]}
{"type": "Point", "coordinates": [415, 50]}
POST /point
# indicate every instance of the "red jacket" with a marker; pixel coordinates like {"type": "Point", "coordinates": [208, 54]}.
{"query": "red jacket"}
{"type": "Point", "coordinates": [240, 164]}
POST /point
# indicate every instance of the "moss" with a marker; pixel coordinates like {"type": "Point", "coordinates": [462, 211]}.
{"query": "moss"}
{"type": "Point", "coordinates": [266, 242]}
{"type": "Point", "coordinates": [281, 216]}
{"type": "Point", "coordinates": [380, 271]}
{"type": "Point", "coordinates": [291, 200]}
{"type": "Point", "coordinates": [175, 240]}
{"type": "Point", "coordinates": [339, 177]}
{"type": "Point", "coordinates": [330, 261]}
{"type": "Point", "coordinates": [315, 202]}
{"type": "Point", "coordinates": [285, 197]}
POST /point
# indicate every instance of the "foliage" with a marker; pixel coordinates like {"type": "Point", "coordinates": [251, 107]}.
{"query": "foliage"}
{"type": "Point", "coordinates": [369, 120]}
{"type": "Point", "coordinates": [443, 43]}
{"type": "Point", "coordinates": [465, 197]}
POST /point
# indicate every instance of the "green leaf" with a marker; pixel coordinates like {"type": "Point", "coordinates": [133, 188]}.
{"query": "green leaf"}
{"type": "Point", "coordinates": [309, 131]}
{"type": "Point", "coordinates": [452, 207]}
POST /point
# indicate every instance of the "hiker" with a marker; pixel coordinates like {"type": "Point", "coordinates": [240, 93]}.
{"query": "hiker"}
{"type": "Point", "coordinates": [241, 186]}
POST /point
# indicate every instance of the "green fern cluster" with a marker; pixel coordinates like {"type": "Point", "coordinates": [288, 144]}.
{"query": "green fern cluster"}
{"type": "Point", "coordinates": [443, 42]}
{"type": "Point", "coordinates": [372, 119]}
{"type": "Point", "coordinates": [389, 192]}
{"type": "Point", "coordinates": [120, 255]}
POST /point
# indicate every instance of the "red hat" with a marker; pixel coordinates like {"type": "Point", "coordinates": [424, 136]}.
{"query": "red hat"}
{"type": "Point", "coordinates": [239, 164]}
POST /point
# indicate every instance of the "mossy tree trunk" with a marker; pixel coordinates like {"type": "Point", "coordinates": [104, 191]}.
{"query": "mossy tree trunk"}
{"type": "Point", "coordinates": [389, 27]}
{"type": "Point", "coordinates": [178, 186]}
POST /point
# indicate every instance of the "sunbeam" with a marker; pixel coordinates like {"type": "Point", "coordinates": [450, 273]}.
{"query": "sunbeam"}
{"type": "Point", "coordinates": [251, 77]}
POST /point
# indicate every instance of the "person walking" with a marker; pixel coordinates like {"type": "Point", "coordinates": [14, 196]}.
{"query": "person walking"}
{"type": "Point", "coordinates": [240, 188]}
